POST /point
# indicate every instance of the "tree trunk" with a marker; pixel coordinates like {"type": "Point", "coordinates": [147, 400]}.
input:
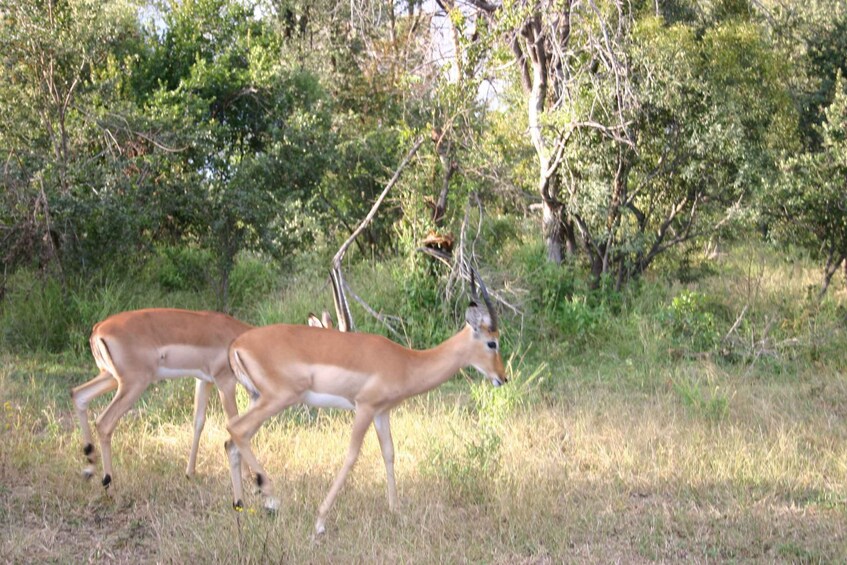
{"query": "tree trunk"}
{"type": "Point", "coordinates": [440, 208]}
{"type": "Point", "coordinates": [570, 235]}
{"type": "Point", "coordinates": [449, 166]}
{"type": "Point", "coordinates": [553, 229]}
{"type": "Point", "coordinates": [833, 262]}
{"type": "Point", "coordinates": [597, 270]}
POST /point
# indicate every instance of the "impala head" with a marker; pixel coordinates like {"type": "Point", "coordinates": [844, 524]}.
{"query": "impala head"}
{"type": "Point", "coordinates": [486, 336]}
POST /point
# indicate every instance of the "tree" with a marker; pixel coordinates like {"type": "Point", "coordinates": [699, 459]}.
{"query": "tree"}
{"type": "Point", "coordinates": [647, 135]}
{"type": "Point", "coordinates": [58, 156]}
{"type": "Point", "coordinates": [812, 201]}
{"type": "Point", "coordinates": [561, 50]}
{"type": "Point", "coordinates": [711, 117]}
{"type": "Point", "coordinates": [255, 133]}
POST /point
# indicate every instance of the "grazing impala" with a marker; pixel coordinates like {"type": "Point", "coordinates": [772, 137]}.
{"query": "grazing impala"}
{"type": "Point", "coordinates": [135, 349]}
{"type": "Point", "coordinates": [282, 365]}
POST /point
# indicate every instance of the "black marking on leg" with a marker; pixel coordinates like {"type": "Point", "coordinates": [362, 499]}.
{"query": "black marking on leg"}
{"type": "Point", "coordinates": [260, 480]}
{"type": "Point", "coordinates": [107, 479]}
{"type": "Point", "coordinates": [88, 449]}
{"type": "Point", "coordinates": [238, 506]}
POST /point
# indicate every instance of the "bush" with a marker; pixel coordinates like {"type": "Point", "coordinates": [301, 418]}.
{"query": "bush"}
{"type": "Point", "coordinates": [690, 321]}
{"type": "Point", "coordinates": [181, 268]}
{"type": "Point", "coordinates": [559, 296]}
{"type": "Point", "coordinates": [36, 315]}
{"type": "Point", "coordinates": [252, 279]}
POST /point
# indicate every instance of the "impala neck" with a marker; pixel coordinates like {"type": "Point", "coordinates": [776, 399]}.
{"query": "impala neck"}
{"type": "Point", "coordinates": [435, 366]}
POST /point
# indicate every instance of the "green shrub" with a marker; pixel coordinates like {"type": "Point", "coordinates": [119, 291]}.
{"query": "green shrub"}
{"type": "Point", "coordinates": [91, 302]}
{"type": "Point", "coordinates": [690, 321]}
{"type": "Point", "coordinates": [181, 268]}
{"type": "Point", "coordinates": [36, 314]}
{"type": "Point", "coordinates": [712, 405]}
{"type": "Point", "coordinates": [252, 279]}
{"type": "Point", "coordinates": [560, 298]}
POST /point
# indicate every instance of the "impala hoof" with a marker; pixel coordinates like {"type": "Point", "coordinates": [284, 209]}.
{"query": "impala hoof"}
{"type": "Point", "coordinates": [320, 529]}
{"type": "Point", "coordinates": [87, 473]}
{"type": "Point", "coordinates": [238, 506]}
{"type": "Point", "coordinates": [107, 480]}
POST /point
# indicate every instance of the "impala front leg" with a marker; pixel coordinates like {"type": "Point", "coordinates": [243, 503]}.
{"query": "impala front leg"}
{"type": "Point", "coordinates": [363, 419]}
{"type": "Point", "coordinates": [201, 400]}
{"type": "Point", "coordinates": [382, 425]}
{"type": "Point", "coordinates": [235, 463]}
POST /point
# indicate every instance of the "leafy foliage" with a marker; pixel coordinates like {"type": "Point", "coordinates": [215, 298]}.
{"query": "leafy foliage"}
{"type": "Point", "coordinates": [811, 203]}
{"type": "Point", "coordinates": [690, 322]}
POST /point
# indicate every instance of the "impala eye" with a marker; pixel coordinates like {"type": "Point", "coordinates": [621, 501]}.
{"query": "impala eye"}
{"type": "Point", "coordinates": [492, 345]}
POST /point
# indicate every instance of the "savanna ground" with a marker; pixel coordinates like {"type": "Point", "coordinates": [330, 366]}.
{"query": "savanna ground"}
{"type": "Point", "coordinates": [651, 427]}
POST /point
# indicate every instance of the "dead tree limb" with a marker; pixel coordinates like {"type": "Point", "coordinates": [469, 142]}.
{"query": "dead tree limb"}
{"type": "Point", "coordinates": [342, 307]}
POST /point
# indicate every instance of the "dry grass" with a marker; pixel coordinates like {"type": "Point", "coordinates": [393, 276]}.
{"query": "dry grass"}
{"type": "Point", "coordinates": [600, 476]}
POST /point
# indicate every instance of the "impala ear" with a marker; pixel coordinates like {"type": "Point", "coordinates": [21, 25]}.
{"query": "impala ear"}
{"type": "Point", "coordinates": [325, 321]}
{"type": "Point", "coordinates": [476, 317]}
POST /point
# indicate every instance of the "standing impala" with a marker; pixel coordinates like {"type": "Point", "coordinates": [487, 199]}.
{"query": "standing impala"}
{"type": "Point", "coordinates": [282, 365]}
{"type": "Point", "coordinates": [135, 349]}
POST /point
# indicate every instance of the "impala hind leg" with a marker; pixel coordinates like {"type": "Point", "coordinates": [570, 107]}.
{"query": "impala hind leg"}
{"type": "Point", "coordinates": [226, 391]}
{"type": "Point", "coordinates": [202, 389]}
{"type": "Point", "coordinates": [241, 429]}
{"type": "Point", "coordinates": [361, 422]}
{"type": "Point", "coordinates": [81, 397]}
{"type": "Point", "coordinates": [125, 397]}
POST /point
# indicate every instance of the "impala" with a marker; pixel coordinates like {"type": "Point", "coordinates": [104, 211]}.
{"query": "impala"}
{"type": "Point", "coordinates": [283, 365]}
{"type": "Point", "coordinates": [135, 349]}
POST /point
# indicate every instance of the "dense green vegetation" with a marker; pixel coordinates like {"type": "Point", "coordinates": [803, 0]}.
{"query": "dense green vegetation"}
{"type": "Point", "coordinates": [655, 192]}
{"type": "Point", "coordinates": [133, 130]}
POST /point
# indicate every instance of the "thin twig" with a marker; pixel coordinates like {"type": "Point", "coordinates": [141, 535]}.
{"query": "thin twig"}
{"type": "Point", "coordinates": [737, 323]}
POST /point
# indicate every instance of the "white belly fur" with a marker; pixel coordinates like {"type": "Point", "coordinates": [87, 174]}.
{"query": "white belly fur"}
{"type": "Point", "coordinates": [322, 400]}
{"type": "Point", "coordinates": [168, 373]}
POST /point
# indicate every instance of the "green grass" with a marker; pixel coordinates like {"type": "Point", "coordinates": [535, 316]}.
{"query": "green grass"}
{"type": "Point", "coordinates": [630, 440]}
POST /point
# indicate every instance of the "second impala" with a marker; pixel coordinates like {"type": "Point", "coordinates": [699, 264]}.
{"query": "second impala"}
{"type": "Point", "coordinates": [283, 365]}
{"type": "Point", "coordinates": [135, 349]}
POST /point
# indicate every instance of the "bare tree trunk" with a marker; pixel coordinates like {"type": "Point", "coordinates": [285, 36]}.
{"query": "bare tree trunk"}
{"type": "Point", "coordinates": [450, 166]}
{"type": "Point", "coordinates": [833, 262]}
{"type": "Point", "coordinates": [597, 270]}
{"type": "Point", "coordinates": [570, 234]}
{"type": "Point", "coordinates": [440, 209]}
{"type": "Point", "coordinates": [553, 229]}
